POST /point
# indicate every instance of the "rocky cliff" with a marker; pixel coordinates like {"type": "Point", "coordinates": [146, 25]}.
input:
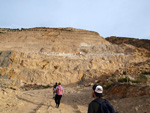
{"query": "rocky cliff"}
{"type": "Point", "coordinates": [140, 43]}
{"type": "Point", "coordinates": [67, 55]}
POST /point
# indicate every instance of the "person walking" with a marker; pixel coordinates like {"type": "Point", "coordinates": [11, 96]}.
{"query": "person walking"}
{"type": "Point", "coordinates": [54, 88]}
{"type": "Point", "coordinates": [99, 104]}
{"type": "Point", "coordinates": [59, 92]}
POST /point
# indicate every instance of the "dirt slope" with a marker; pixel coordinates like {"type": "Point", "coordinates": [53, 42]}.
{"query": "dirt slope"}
{"type": "Point", "coordinates": [140, 43]}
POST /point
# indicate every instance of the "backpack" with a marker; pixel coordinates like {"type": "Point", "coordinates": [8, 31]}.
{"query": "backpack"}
{"type": "Point", "coordinates": [59, 90]}
{"type": "Point", "coordinates": [105, 106]}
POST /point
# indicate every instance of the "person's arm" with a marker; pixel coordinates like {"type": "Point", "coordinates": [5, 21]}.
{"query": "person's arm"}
{"type": "Point", "coordinates": [55, 90]}
{"type": "Point", "coordinates": [63, 92]}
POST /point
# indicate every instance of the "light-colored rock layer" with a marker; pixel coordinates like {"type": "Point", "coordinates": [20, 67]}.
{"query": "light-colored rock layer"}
{"type": "Point", "coordinates": [67, 55]}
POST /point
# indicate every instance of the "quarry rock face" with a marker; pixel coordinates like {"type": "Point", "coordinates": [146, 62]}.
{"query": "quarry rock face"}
{"type": "Point", "coordinates": [67, 55]}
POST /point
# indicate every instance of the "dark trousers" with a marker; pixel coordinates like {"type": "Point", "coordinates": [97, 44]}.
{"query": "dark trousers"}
{"type": "Point", "coordinates": [57, 100]}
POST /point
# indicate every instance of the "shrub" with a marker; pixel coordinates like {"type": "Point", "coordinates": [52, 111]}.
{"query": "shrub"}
{"type": "Point", "coordinates": [135, 81]}
{"type": "Point", "coordinates": [146, 73]}
{"type": "Point", "coordinates": [124, 79]}
{"type": "Point", "coordinates": [108, 85]}
{"type": "Point", "coordinates": [142, 78]}
{"type": "Point", "coordinates": [124, 72]}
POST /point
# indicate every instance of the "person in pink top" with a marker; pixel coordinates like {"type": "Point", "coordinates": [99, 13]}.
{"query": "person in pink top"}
{"type": "Point", "coordinates": [59, 93]}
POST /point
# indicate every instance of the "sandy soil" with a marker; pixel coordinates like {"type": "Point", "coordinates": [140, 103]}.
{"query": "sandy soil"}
{"type": "Point", "coordinates": [75, 100]}
{"type": "Point", "coordinates": [41, 101]}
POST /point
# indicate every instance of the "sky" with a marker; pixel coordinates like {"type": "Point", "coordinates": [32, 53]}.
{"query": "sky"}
{"type": "Point", "coordinates": [124, 18]}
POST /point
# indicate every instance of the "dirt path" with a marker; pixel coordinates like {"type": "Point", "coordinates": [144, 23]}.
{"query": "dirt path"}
{"type": "Point", "coordinates": [75, 100]}
{"type": "Point", "coordinates": [41, 101]}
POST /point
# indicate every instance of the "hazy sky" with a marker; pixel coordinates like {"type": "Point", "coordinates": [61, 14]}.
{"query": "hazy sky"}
{"type": "Point", "coordinates": [126, 18]}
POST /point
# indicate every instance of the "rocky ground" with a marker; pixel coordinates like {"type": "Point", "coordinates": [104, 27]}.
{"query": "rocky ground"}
{"type": "Point", "coordinates": [124, 98]}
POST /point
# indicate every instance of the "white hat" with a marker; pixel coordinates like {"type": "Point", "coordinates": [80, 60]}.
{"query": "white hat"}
{"type": "Point", "coordinates": [99, 89]}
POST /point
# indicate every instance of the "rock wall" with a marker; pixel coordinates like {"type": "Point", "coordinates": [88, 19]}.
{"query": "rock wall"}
{"type": "Point", "coordinates": [67, 55]}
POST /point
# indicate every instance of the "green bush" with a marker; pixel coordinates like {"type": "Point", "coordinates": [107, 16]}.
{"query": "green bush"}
{"type": "Point", "coordinates": [135, 81]}
{"type": "Point", "coordinates": [123, 79]}
{"type": "Point", "coordinates": [124, 72]}
{"type": "Point", "coordinates": [108, 85]}
{"type": "Point", "coordinates": [146, 73]}
{"type": "Point", "coordinates": [142, 78]}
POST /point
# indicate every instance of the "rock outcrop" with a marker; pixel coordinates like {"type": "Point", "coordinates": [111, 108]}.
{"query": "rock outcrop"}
{"type": "Point", "coordinates": [67, 55]}
{"type": "Point", "coordinates": [140, 43]}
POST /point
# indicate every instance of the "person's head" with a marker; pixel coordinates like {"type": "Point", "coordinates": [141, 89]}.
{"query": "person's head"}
{"type": "Point", "coordinates": [97, 91]}
{"type": "Point", "coordinates": [59, 83]}
{"type": "Point", "coordinates": [56, 83]}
